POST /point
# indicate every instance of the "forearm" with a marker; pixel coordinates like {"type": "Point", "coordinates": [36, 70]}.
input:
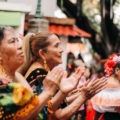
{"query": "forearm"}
{"type": "Point", "coordinates": [67, 112]}
{"type": "Point", "coordinates": [56, 100]}
{"type": "Point", "coordinates": [43, 99]}
{"type": "Point", "coordinates": [20, 79]}
{"type": "Point", "coordinates": [71, 98]}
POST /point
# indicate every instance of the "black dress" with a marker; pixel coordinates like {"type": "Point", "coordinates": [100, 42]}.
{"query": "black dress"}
{"type": "Point", "coordinates": [35, 79]}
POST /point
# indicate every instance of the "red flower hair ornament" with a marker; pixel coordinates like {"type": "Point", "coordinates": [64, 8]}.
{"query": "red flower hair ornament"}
{"type": "Point", "coordinates": [110, 64]}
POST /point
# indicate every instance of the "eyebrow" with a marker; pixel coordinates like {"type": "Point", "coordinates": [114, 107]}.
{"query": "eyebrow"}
{"type": "Point", "coordinates": [12, 38]}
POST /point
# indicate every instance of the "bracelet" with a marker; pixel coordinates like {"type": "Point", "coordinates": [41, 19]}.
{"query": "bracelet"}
{"type": "Point", "coordinates": [49, 110]}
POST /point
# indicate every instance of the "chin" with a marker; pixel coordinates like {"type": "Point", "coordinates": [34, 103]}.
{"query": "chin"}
{"type": "Point", "coordinates": [60, 62]}
{"type": "Point", "coordinates": [21, 62]}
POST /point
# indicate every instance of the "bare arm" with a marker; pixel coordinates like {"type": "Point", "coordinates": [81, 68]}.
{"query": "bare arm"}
{"type": "Point", "coordinates": [71, 98]}
{"type": "Point", "coordinates": [67, 112]}
{"type": "Point", "coordinates": [56, 100]}
{"type": "Point", "coordinates": [66, 86]}
{"type": "Point", "coordinates": [50, 86]}
{"type": "Point", "coordinates": [20, 79]}
{"type": "Point", "coordinates": [87, 91]}
{"type": "Point", "coordinates": [43, 98]}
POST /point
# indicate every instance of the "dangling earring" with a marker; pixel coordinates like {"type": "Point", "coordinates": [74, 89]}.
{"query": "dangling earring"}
{"type": "Point", "coordinates": [32, 59]}
{"type": "Point", "coordinates": [45, 65]}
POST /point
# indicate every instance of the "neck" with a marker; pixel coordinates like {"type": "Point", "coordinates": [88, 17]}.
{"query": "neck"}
{"type": "Point", "coordinates": [8, 74]}
{"type": "Point", "coordinates": [46, 66]}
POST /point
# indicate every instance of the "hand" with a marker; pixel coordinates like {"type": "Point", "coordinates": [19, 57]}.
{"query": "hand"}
{"type": "Point", "coordinates": [90, 88]}
{"type": "Point", "coordinates": [70, 83]}
{"type": "Point", "coordinates": [52, 80]}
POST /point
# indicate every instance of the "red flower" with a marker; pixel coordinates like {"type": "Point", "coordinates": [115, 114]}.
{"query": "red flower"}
{"type": "Point", "coordinates": [109, 65]}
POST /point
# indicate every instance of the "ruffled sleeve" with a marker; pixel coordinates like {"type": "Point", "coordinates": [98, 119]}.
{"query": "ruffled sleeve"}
{"type": "Point", "coordinates": [107, 100]}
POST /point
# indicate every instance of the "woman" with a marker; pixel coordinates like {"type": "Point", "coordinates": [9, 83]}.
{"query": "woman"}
{"type": "Point", "coordinates": [42, 53]}
{"type": "Point", "coordinates": [107, 102]}
{"type": "Point", "coordinates": [16, 101]}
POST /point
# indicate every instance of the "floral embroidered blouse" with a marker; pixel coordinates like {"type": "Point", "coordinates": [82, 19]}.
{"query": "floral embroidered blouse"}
{"type": "Point", "coordinates": [16, 101]}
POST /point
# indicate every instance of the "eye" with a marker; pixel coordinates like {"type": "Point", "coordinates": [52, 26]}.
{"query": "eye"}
{"type": "Point", "coordinates": [57, 45]}
{"type": "Point", "coordinates": [12, 40]}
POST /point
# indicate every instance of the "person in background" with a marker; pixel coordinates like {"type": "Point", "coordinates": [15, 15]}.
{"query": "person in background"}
{"type": "Point", "coordinates": [70, 63]}
{"type": "Point", "coordinates": [107, 102]}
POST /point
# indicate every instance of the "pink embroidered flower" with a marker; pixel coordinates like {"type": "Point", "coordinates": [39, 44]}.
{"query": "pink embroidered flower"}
{"type": "Point", "coordinates": [4, 81]}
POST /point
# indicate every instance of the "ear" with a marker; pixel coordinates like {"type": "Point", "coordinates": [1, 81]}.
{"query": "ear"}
{"type": "Point", "coordinates": [117, 71]}
{"type": "Point", "coordinates": [41, 54]}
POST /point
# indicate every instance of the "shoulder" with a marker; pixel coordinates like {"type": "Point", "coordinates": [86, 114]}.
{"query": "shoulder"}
{"type": "Point", "coordinates": [113, 83]}
{"type": "Point", "coordinates": [36, 74]}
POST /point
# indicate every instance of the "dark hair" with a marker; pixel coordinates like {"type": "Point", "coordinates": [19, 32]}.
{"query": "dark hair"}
{"type": "Point", "coordinates": [39, 41]}
{"type": "Point", "coordinates": [116, 66]}
{"type": "Point", "coordinates": [80, 57]}
{"type": "Point", "coordinates": [1, 33]}
{"type": "Point", "coordinates": [71, 55]}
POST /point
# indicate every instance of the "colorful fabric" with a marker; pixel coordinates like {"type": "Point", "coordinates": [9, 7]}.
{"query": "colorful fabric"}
{"type": "Point", "coordinates": [90, 114]}
{"type": "Point", "coordinates": [35, 79]}
{"type": "Point", "coordinates": [16, 101]}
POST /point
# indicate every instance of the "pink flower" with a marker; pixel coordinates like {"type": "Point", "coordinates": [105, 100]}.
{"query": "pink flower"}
{"type": "Point", "coordinates": [5, 81]}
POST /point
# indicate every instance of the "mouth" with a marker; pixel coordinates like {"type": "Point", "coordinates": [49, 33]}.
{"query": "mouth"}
{"type": "Point", "coordinates": [60, 55]}
{"type": "Point", "coordinates": [21, 54]}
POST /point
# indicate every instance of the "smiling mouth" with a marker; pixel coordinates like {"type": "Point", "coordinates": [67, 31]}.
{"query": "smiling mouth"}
{"type": "Point", "coordinates": [21, 54]}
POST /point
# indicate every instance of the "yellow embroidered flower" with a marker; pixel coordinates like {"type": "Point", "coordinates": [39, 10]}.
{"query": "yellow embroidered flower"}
{"type": "Point", "coordinates": [21, 95]}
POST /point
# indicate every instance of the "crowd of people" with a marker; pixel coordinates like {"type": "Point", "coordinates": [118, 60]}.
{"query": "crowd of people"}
{"type": "Point", "coordinates": [106, 104]}
{"type": "Point", "coordinates": [34, 87]}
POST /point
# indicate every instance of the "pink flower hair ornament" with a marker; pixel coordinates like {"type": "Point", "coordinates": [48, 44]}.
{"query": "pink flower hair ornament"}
{"type": "Point", "coordinates": [110, 64]}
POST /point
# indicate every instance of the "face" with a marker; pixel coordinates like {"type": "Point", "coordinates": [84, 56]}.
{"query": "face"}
{"type": "Point", "coordinates": [54, 51]}
{"type": "Point", "coordinates": [11, 51]}
{"type": "Point", "coordinates": [117, 72]}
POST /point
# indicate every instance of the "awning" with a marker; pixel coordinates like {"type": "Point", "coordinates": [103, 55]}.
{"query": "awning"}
{"type": "Point", "coordinates": [68, 31]}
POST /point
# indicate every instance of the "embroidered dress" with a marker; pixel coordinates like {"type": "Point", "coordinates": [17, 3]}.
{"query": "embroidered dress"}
{"type": "Point", "coordinates": [35, 79]}
{"type": "Point", "coordinates": [16, 101]}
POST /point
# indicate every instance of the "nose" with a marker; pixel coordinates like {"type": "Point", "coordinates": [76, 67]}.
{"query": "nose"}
{"type": "Point", "coordinates": [61, 49]}
{"type": "Point", "coordinates": [19, 44]}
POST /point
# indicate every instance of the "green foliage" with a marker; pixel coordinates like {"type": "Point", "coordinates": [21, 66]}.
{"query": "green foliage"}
{"type": "Point", "coordinates": [92, 9]}
{"type": "Point", "coordinates": [116, 11]}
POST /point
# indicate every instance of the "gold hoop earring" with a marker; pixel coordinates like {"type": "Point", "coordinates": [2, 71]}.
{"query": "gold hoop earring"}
{"type": "Point", "coordinates": [45, 65]}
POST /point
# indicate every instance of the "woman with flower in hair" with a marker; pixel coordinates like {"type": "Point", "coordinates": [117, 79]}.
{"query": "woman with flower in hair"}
{"type": "Point", "coordinates": [107, 102]}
